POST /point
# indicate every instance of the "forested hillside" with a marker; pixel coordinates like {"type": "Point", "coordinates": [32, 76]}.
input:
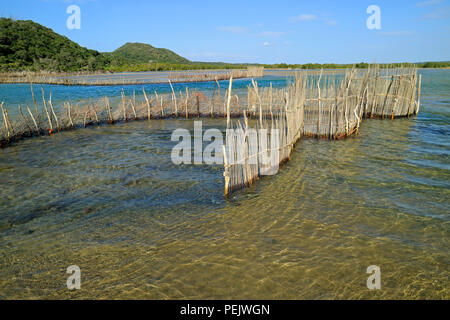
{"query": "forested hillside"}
{"type": "Point", "coordinates": [26, 45]}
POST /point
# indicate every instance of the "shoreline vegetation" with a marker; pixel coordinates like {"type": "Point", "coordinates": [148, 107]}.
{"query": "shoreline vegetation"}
{"type": "Point", "coordinates": [146, 67]}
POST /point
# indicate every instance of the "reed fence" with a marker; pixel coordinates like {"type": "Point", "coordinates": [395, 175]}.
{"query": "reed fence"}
{"type": "Point", "coordinates": [98, 79]}
{"type": "Point", "coordinates": [314, 105]}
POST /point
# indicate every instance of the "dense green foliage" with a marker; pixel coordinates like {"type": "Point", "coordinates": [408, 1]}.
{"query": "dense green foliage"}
{"type": "Point", "coordinates": [208, 65]}
{"type": "Point", "coordinates": [26, 45]}
{"type": "Point", "coordinates": [441, 64]}
{"type": "Point", "coordinates": [137, 53]}
{"type": "Point", "coordinates": [362, 65]}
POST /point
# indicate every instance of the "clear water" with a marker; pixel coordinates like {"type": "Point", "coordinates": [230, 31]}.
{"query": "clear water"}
{"type": "Point", "coordinates": [110, 201]}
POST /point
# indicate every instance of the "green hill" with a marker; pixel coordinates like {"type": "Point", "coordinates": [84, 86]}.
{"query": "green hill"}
{"type": "Point", "coordinates": [135, 53]}
{"type": "Point", "coordinates": [26, 45]}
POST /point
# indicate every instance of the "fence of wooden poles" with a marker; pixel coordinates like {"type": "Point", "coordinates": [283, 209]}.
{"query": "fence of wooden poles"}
{"type": "Point", "coordinates": [315, 105]}
{"type": "Point", "coordinates": [98, 79]}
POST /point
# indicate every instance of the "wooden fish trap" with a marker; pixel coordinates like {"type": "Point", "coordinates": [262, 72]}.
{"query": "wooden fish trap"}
{"type": "Point", "coordinates": [271, 121]}
{"type": "Point", "coordinates": [315, 106]}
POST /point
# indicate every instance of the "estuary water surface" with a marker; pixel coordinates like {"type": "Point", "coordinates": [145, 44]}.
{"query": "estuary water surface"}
{"type": "Point", "coordinates": [110, 201]}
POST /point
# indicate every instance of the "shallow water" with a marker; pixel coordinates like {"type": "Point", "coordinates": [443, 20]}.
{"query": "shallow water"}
{"type": "Point", "coordinates": [110, 200]}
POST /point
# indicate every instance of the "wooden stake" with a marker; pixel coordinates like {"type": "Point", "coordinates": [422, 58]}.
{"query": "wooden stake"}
{"type": "Point", "coordinates": [46, 111]}
{"type": "Point", "coordinates": [34, 102]}
{"type": "Point", "coordinates": [69, 114]}
{"type": "Point", "coordinates": [5, 119]}
{"type": "Point", "coordinates": [413, 82]}
{"type": "Point", "coordinates": [53, 112]}
{"type": "Point", "coordinates": [95, 113]}
{"type": "Point", "coordinates": [270, 100]}
{"type": "Point", "coordinates": [418, 95]}
{"type": "Point", "coordinates": [132, 108]}
{"type": "Point", "coordinates": [229, 101]}
{"type": "Point", "coordinates": [387, 94]}
{"type": "Point", "coordinates": [123, 106]}
{"type": "Point", "coordinates": [108, 109]}
{"type": "Point", "coordinates": [218, 91]}
{"type": "Point", "coordinates": [211, 107]}
{"type": "Point", "coordinates": [85, 118]}
{"type": "Point", "coordinates": [318, 88]}
{"type": "Point", "coordinates": [255, 87]}
{"type": "Point", "coordinates": [396, 97]}
{"type": "Point", "coordinates": [174, 99]}
{"type": "Point", "coordinates": [225, 173]}
{"type": "Point", "coordinates": [32, 118]}
{"type": "Point", "coordinates": [148, 104]}
{"type": "Point", "coordinates": [198, 103]}
{"type": "Point", "coordinates": [186, 102]}
{"type": "Point", "coordinates": [374, 92]}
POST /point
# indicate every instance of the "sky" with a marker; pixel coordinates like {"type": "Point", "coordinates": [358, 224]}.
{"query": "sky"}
{"type": "Point", "coordinates": [319, 31]}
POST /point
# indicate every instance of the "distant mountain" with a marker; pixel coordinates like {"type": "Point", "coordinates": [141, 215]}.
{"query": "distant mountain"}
{"type": "Point", "coordinates": [135, 53]}
{"type": "Point", "coordinates": [26, 45]}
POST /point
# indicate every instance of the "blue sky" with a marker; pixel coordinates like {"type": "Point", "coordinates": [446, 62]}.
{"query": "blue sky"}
{"type": "Point", "coordinates": [255, 31]}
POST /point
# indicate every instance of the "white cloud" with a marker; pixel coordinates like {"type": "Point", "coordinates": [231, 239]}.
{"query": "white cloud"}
{"type": "Point", "coordinates": [311, 17]}
{"type": "Point", "coordinates": [427, 3]}
{"type": "Point", "coordinates": [304, 17]}
{"type": "Point", "coordinates": [232, 29]}
{"type": "Point", "coordinates": [266, 44]}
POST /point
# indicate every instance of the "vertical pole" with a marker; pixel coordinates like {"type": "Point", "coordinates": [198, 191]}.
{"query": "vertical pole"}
{"type": "Point", "coordinates": [53, 111]}
{"type": "Point", "coordinates": [148, 104]}
{"type": "Point", "coordinates": [32, 118]}
{"type": "Point", "coordinates": [123, 106]}
{"type": "Point", "coordinates": [46, 111]}
{"type": "Point", "coordinates": [225, 173]}
{"type": "Point", "coordinates": [186, 102]}
{"type": "Point", "coordinates": [5, 119]}
{"type": "Point", "coordinates": [229, 101]}
{"type": "Point", "coordinates": [318, 88]}
{"type": "Point", "coordinates": [174, 99]}
{"type": "Point", "coordinates": [418, 95]}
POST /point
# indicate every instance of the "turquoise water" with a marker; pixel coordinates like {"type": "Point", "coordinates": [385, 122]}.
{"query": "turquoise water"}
{"type": "Point", "coordinates": [109, 200]}
{"type": "Point", "coordinates": [15, 95]}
